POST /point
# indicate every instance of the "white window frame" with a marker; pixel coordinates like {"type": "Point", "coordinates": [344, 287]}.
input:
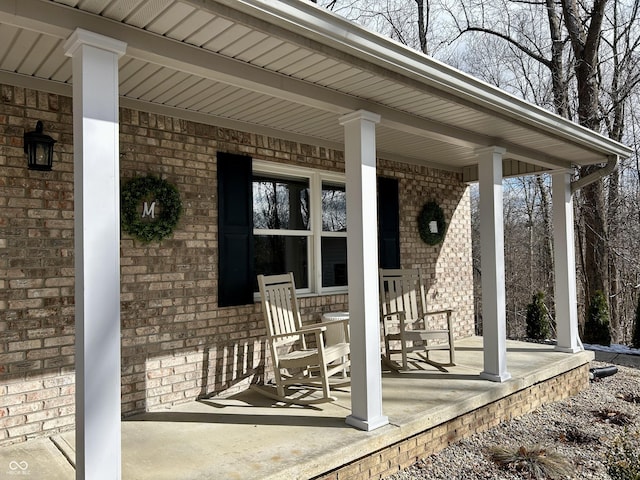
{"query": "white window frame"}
{"type": "Point", "coordinates": [315, 233]}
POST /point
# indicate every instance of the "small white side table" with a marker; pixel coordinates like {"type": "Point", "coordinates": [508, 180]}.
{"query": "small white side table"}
{"type": "Point", "coordinates": [335, 333]}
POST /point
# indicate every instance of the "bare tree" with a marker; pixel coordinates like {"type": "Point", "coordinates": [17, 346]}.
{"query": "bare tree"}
{"type": "Point", "coordinates": [579, 59]}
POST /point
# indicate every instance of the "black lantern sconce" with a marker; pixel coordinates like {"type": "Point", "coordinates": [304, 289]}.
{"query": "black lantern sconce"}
{"type": "Point", "coordinates": [39, 149]}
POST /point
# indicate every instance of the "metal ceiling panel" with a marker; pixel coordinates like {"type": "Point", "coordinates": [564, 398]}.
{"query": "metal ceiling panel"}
{"type": "Point", "coordinates": [204, 36]}
{"type": "Point", "coordinates": [39, 53]}
{"type": "Point", "coordinates": [312, 66]}
{"type": "Point", "coordinates": [120, 9]}
{"type": "Point", "coordinates": [227, 37]}
{"type": "Point", "coordinates": [8, 35]}
{"type": "Point", "coordinates": [189, 95]}
{"type": "Point", "coordinates": [336, 83]}
{"type": "Point", "coordinates": [289, 60]}
{"type": "Point", "coordinates": [201, 102]}
{"type": "Point", "coordinates": [53, 61]}
{"type": "Point", "coordinates": [246, 42]}
{"type": "Point", "coordinates": [19, 49]}
{"type": "Point", "coordinates": [190, 24]}
{"type": "Point", "coordinates": [64, 72]}
{"type": "Point", "coordinates": [260, 50]}
{"type": "Point", "coordinates": [253, 104]}
{"type": "Point", "coordinates": [170, 17]}
{"type": "Point", "coordinates": [268, 59]}
{"type": "Point", "coordinates": [180, 82]}
{"type": "Point", "coordinates": [69, 3]}
{"type": "Point", "coordinates": [227, 98]}
{"type": "Point", "coordinates": [138, 81]}
{"type": "Point", "coordinates": [339, 70]}
{"type": "Point", "coordinates": [146, 12]}
{"type": "Point", "coordinates": [93, 6]}
{"type": "Point", "coordinates": [153, 85]}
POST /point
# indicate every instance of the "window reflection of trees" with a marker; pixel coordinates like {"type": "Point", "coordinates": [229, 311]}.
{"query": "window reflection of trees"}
{"type": "Point", "coordinates": [280, 204]}
{"type": "Point", "coordinates": [334, 208]}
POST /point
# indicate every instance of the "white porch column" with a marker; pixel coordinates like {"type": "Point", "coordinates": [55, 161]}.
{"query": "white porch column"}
{"type": "Point", "coordinates": [97, 253]}
{"type": "Point", "coordinates": [362, 248]}
{"type": "Point", "coordinates": [565, 264]}
{"type": "Point", "coordinates": [494, 316]}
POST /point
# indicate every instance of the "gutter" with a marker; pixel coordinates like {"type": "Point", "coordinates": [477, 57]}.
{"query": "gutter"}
{"type": "Point", "coordinates": [612, 162]}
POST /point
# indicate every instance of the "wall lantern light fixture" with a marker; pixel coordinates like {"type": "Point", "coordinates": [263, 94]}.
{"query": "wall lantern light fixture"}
{"type": "Point", "coordinates": [39, 149]}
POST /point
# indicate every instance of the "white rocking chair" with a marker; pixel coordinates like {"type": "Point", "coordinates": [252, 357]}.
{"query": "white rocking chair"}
{"type": "Point", "coordinates": [301, 370]}
{"type": "Point", "coordinates": [405, 319]}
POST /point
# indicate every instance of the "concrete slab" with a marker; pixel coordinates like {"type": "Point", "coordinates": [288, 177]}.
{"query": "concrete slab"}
{"type": "Point", "coordinates": [36, 459]}
{"type": "Point", "coordinates": [250, 436]}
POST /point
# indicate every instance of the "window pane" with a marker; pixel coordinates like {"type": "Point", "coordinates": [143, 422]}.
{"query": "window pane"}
{"type": "Point", "coordinates": [276, 254]}
{"type": "Point", "coordinates": [334, 261]}
{"type": "Point", "coordinates": [334, 208]}
{"type": "Point", "coordinates": [280, 203]}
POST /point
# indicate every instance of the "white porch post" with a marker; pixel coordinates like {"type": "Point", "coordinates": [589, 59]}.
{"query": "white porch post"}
{"type": "Point", "coordinates": [565, 264]}
{"type": "Point", "coordinates": [362, 248]}
{"type": "Point", "coordinates": [494, 316]}
{"type": "Point", "coordinates": [97, 253]}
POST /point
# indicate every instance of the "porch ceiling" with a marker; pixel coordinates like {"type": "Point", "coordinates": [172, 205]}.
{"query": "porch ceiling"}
{"type": "Point", "coordinates": [289, 69]}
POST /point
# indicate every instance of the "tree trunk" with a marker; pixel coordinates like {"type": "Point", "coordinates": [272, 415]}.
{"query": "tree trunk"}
{"type": "Point", "coordinates": [596, 257]}
{"type": "Point", "coordinates": [585, 41]}
{"type": "Point", "coordinates": [556, 65]}
{"type": "Point", "coordinates": [613, 272]}
{"type": "Point", "coordinates": [423, 26]}
{"type": "Point", "coordinates": [547, 261]}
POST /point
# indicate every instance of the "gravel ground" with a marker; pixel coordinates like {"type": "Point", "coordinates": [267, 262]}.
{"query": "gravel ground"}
{"type": "Point", "coordinates": [580, 429]}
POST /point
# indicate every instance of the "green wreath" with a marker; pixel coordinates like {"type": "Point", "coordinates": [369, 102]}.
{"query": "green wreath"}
{"type": "Point", "coordinates": [149, 208]}
{"type": "Point", "coordinates": [431, 212]}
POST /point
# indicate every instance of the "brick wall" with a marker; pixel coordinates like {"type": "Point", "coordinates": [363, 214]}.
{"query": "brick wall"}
{"type": "Point", "coordinates": [446, 266]}
{"type": "Point", "coordinates": [405, 453]}
{"type": "Point", "coordinates": [36, 270]}
{"type": "Point", "coordinates": [176, 343]}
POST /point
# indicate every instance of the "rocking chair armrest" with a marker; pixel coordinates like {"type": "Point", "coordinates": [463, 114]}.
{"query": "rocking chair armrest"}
{"type": "Point", "coordinates": [302, 331]}
{"type": "Point", "coordinates": [312, 329]}
{"type": "Point", "coordinates": [438, 312]}
{"type": "Point", "coordinates": [335, 322]}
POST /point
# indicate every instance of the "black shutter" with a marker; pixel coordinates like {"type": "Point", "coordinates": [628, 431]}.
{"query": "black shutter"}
{"type": "Point", "coordinates": [388, 223]}
{"type": "Point", "coordinates": [235, 230]}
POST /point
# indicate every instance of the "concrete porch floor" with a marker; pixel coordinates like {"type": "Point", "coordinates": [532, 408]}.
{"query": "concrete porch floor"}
{"type": "Point", "coordinates": [250, 437]}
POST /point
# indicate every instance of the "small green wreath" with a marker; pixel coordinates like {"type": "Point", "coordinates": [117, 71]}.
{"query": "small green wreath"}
{"type": "Point", "coordinates": [149, 208]}
{"type": "Point", "coordinates": [431, 224]}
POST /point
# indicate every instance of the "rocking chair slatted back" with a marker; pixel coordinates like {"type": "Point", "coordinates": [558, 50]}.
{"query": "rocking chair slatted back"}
{"type": "Point", "coordinates": [402, 291]}
{"type": "Point", "coordinates": [281, 307]}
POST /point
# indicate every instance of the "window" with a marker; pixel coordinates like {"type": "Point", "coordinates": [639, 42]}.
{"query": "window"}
{"type": "Point", "coordinates": [300, 225]}
{"type": "Point", "coordinates": [274, 219]}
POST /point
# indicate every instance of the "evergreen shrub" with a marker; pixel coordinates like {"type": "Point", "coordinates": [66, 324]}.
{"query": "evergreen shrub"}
{"type": "Point", "coordinates": [538, 324]}
{"type": "Point", "coordinates": [596, 328]}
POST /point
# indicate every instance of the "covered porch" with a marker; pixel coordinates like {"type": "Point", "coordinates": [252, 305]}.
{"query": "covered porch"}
{"type": "Point", "coordinates": [248, 436]}
{"type": "Point", "coordinates": [289, 71]}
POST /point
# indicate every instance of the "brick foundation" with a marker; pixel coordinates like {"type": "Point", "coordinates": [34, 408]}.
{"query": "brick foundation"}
{"type": "Point", "coordinates": [401, 455]}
